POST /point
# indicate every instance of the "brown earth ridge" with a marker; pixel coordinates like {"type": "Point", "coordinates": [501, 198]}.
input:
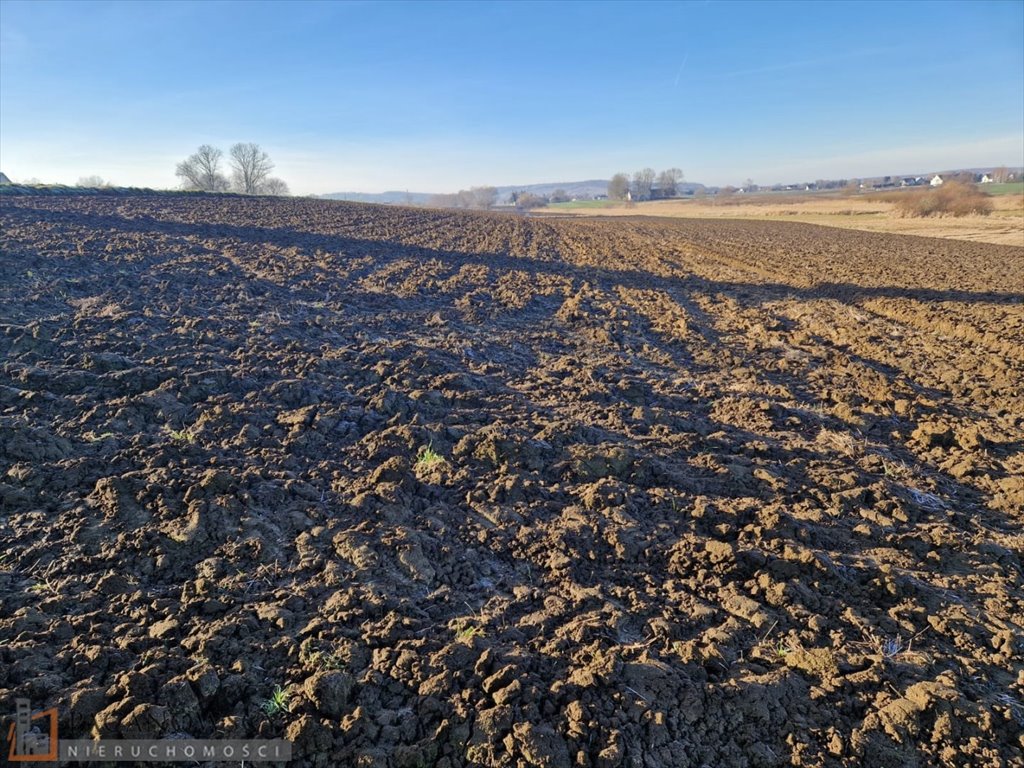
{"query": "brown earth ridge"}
{"type": "Point", "coordinates": [711, 493]}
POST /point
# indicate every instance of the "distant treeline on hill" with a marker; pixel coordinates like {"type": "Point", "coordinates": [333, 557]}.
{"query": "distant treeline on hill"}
{"type": "Point", "coordinates": [61, 189]}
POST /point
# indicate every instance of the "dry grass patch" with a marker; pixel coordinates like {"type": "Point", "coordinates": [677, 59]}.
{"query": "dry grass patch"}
{"type": "Point", "coordinates": [870, 212]}
{"type": "Point", "coordinates": [951, 199]}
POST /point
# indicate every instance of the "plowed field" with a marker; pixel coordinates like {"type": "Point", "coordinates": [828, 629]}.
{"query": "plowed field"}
{"type": "Point", "coordinates": [479, 490]}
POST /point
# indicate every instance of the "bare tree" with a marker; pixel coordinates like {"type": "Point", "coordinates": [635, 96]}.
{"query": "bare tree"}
{"type": "Point", "coordinates": [527, 200]}
{"type": "Point", "coordinates": [474, 197]}
{"type": "Point", "coordinates": [201, 171]}
{"type": "Point", "coordinates": [618, 187]}
{"type": "Point", "coordinates": [92, 181]}
{"type": "Point", "coordinates": [559, 196]}
{"type": "Point", "coordinates": [1001, 175]}
{"type": "Point", "coordinates": [483, 197]}
{"type": "Point", "coordinates": [250, 167]}
{"type": "Point", "coordinates": [274, 186]}
{"type": "Point", "coordinates": [669, 180]}
{"type": "Point", "coordinates": [643, 180]}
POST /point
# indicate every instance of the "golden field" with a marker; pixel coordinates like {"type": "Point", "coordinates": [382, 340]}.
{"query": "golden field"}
{"type": "Point", "coordinates": [1004, 226]}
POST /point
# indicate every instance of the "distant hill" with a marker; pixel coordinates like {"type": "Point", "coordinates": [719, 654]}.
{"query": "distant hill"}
{"type": "Point", "coordinates": [580, 189]}
{"type": "Point", "coordinates": [574, 189]}
{"type": "Point", "coordinates": [392, 198]}
{"type": "Point", "coordinates": [3, 178]}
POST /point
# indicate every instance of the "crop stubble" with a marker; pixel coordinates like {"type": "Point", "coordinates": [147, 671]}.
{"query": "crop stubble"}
{"type": "Point", "coordinates": [721, 493]}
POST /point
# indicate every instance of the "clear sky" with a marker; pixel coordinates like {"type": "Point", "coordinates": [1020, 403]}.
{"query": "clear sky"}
{"type": "Point", "coordinates": [437, 96]}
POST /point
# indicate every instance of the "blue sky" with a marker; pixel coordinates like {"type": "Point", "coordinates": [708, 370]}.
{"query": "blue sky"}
{"type": "Point", "coordinates": [437, 96]}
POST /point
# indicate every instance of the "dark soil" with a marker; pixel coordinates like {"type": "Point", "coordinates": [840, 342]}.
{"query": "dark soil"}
{"type": "Point", "coordinates": [705, 493]}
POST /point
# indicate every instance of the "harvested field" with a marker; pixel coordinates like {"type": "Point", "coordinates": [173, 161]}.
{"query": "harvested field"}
{"type": "Point", "coordinates": [870, 213]}
{"type": "Point", "coordinates": [479, 490]}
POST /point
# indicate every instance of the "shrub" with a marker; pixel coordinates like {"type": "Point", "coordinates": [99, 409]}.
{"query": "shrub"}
{"type": "Point", "coordinates": [951, 199]}
{"type": "Point", "coordinates": [527, 200]}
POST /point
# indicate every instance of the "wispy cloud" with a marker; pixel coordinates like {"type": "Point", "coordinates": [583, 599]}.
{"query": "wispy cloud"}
{"type": "Point", "coordinates": [782, 66]}
{"type": "Point", "coordinates": [682, 66]}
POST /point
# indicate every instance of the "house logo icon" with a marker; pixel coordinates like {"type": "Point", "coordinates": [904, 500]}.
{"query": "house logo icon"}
{"type": "Point", "coordinates": [32, 738]}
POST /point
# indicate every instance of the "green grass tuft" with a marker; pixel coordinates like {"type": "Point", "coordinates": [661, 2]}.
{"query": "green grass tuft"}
{"type": "Point", "coordinates": [428, 457]}
{"type": "Point", "coordinates": [280, 701]}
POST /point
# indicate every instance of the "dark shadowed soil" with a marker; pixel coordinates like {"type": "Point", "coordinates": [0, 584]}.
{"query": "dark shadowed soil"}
{"type": "Point", "coordinates": [477, 490]}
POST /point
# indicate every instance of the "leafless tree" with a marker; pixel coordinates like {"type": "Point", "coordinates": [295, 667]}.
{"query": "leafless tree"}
{"type": "Point", "coordinates": [201, 171]}
{"type": "Point", "coordinates": [527, 200]}
{"type": "Point", "coordinates": [92, 181]}
{"type": "Point", "coordinates": [618, 186]}
{"type": "Point", "coordinates": [250, 167]}
{"type": "Point", "coordinates": [474, 197]}
{"type": "Point", "coordinates": [1001, 175]}
{"type": "Point", "coordinates": [669, 180]}
{"type": "Point", "coordinates": [643, 180]}
{"type": "Point", "coordinates": [274, 186]}
{"type": "Point", "coordinates": [483, 197]}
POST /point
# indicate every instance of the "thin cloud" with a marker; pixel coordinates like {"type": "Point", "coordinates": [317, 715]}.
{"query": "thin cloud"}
{"type": "Point", "coordinates": [806, 63]}
{"type": "Point", "coordinates": [681, 68]}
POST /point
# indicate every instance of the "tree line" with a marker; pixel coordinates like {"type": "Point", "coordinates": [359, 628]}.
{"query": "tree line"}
{"type": "Point", "coordinates": [484, 198]}
{"type": "Point", "coordinates": [248, 164]}
{"type": "Point", "coordinates": [644, 184]}
{"type": "Point", "coordinates": [474, 197]}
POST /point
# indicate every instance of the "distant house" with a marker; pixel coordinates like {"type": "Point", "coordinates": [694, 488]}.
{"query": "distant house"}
{"type": "Point", "coordinates": [985, 179]}
{"type": "Point", "coordinates": [885, 182]}
{"type": "Point", "coordinates": [936, 181]}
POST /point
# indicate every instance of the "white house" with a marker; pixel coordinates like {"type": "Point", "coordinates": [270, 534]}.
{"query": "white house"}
{"type": "Point", "coordinates": [986, 179]}
{"type": "Point", "coordinates": [936, 180]}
